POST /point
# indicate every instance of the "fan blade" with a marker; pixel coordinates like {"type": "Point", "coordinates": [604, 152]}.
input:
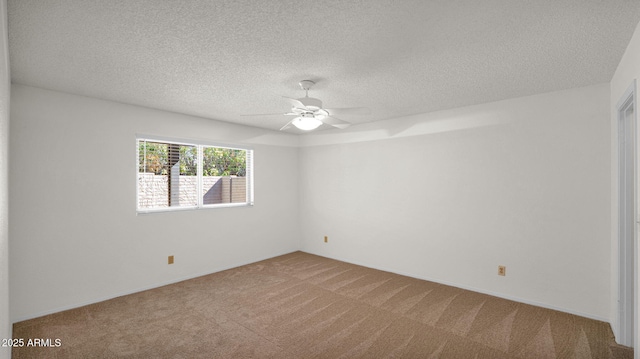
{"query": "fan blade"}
{"type": "Point", "coordinates": [336, 122]}
{"type": "Point", "coordinates": [349, 111]}
{"type": "Point", "coordinates": [288, 125]}
{"type": "Point", "coordinates": [265, 114]}
{"type": "Point", "coordinates": [296, 103]}
{"type": "Point", "coordinates": [272, 114]}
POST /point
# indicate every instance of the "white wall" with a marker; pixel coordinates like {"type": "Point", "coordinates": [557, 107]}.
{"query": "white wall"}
{"type": "Point", "coordinates": [449, 196]}
{"type": "Point", "coordinates": [5, 319]}
{"type": "Point", "coordinates": [75, 235]}
{"type": "Point", "coordinates": [628, 70]}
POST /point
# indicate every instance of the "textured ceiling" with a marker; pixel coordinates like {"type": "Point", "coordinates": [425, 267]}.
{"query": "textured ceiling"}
{"type": "Point", "coordinates": [220, 59]}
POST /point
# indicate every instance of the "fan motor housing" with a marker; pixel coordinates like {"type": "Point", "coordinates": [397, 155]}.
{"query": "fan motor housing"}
{"type": "Point", "coordinates": [311, 103]}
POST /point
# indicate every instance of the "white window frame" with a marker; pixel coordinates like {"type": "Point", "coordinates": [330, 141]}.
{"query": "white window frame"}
{"type": "Point", "coordinates": [199, 144]}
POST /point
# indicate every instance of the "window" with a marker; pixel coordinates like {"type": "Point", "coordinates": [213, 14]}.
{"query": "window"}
{"type": "Point", "coordinates": [175, 175]}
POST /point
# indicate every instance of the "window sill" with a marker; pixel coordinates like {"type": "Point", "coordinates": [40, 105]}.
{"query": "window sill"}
{"type": "Point", "coordinates": [180, 209]}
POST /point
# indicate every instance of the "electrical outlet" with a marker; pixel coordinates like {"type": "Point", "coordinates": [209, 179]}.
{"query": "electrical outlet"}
{"type": "Point", "coordinates": [502, 270]}
{"type": "Point", "coordinates": [170, 260]}
{"type": "Point", "coordinates": [326, 239]}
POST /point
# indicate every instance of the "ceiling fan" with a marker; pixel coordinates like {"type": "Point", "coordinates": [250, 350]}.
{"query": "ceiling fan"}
{"type": "Point", "coordinates": [309, 113]}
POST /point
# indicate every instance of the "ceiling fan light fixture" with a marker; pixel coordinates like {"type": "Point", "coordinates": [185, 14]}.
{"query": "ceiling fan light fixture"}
{"type": "Point", "coordinates": [306, 123]}
{"type": "Point", "coordinates": [308, 112]}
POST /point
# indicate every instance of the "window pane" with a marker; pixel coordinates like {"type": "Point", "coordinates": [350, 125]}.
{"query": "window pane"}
{"type": "Point", "coordinates": [224, 175]}
{"type": "Point", "coordinates": [173, 175]}
{"type": "Point", "coordinates": [167, 175]}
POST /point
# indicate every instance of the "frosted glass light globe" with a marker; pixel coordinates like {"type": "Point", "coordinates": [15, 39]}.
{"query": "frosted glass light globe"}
{"type": "Point", "coordinates": [306, 123]}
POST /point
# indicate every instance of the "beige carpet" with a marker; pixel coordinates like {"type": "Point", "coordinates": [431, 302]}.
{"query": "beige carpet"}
{"type": "Point", "coordinates": [304, 306]}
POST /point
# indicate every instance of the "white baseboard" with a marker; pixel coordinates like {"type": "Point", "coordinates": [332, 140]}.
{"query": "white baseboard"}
{"type": "Point", "coordinates": [141, 289]}
{"type": "Point", "coordinates": [478, 290]}
{"type": "Point", "coordinates": [219, 269]}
